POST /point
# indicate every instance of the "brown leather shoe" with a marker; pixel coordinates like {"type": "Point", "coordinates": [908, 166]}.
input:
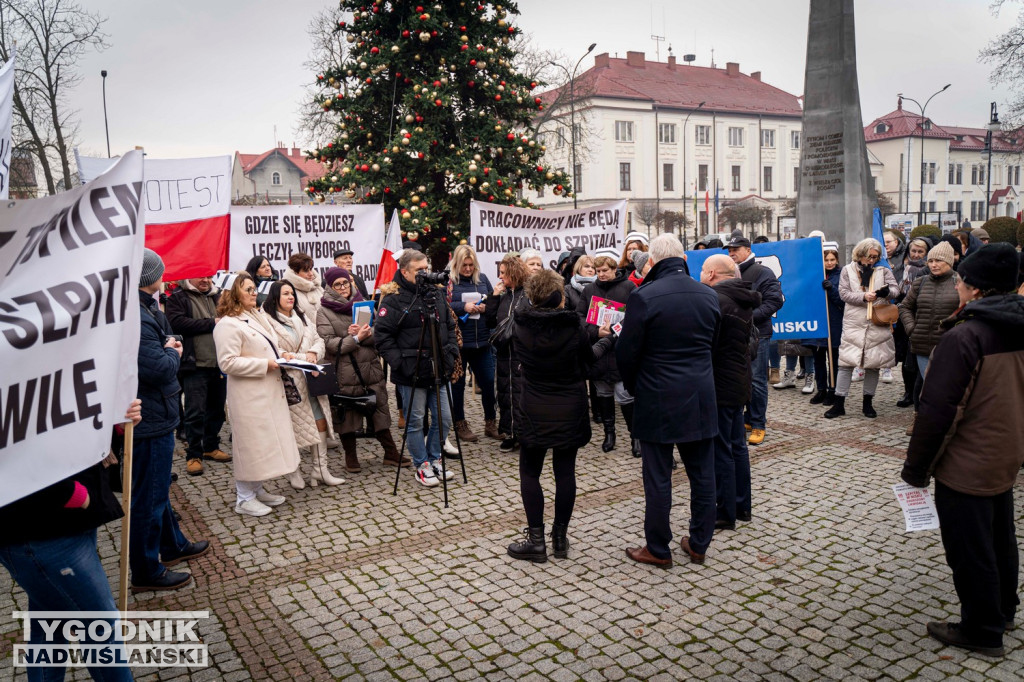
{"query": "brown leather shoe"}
{"type": "Point", "coordinates": [194, 467]}
{"type": "Point", "coordinates": [465, 433]}
{"type": "Point", "coordinates": [217, 455]}
{"type": "Point", "coordinates": [643, 556]}
{"type": "Point", "coordinates": [491, 429]}
{"type": "Point", "coordinates": [695, 558]}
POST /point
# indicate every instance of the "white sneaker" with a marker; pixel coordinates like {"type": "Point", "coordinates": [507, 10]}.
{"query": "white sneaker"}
{"type": "Point", "coordinates": [447, 474]}
{"type": "Point", "coordinates": [269, 499]}
{"type": "Point", "coordinates": [887, 375]}
{"type": "Point", "coordinates": [252, 507]}
{"type": "Point", "coordinates": [450, 449]}
{"type": "Point", "coordinates": [425, 475]}
{"type": "Point", "coordinates": [788, 381]}
{"type": "Point", "coordinates": [808, 384]}
{"type": "Point", "coordinates": [858, 374]}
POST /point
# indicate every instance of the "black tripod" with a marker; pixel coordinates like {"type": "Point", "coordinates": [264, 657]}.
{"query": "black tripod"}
{"type": "Point", "coordinates": [429, 321]}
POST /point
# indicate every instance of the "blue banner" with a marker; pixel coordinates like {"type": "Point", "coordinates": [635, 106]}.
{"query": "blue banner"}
{"type": "Point", "coordinates": [799, 266]}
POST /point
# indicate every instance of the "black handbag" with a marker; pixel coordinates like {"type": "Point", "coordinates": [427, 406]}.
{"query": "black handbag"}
{"type": "Point", "coordinates": [365, 404]}
{"type": "Point", "coordinates": [326, 383]}
{"type": "Point", "coordinates": [503, 333]}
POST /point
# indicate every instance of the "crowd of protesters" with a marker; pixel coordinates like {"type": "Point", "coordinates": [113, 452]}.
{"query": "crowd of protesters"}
{"type": "Point", "coordinates": [686, 357]}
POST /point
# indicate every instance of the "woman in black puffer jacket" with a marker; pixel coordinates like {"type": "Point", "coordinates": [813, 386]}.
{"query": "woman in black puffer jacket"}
{"type": "Point", "coordinates": [555, 354]}
{"type": "Point", "coordinates": [508, 299]}
{"type": "Point", "coordinates": [613, 286]}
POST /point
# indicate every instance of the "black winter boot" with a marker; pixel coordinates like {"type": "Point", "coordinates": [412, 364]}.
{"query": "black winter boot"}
{"type": "Point", "coordinates": [532, 547]}
{"type": "Point", "coordinates": [838, 408]}
{"type": "Point", "coordinates": [830, 397]}
{"type": "Point", "coordinates": [627, 414]}
{"type": "Point", "coordinates": [595, 405]}
{"type": "Point", "coordinates": [559, 542]}
{"type": "Point", "coordinates": [819, 397]}
{"type": "Point", "coordinates": [906, 401]}
{"type": "Point", "coordinates": [608, 418]}
{"type": "Point", "coordinates": [869, 411]}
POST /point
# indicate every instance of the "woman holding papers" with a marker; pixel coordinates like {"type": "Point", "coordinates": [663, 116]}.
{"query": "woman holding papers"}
{"type": "Point", "coordinates": [262, 439]}
{"type": "Point", "coordinates": [351, 350]}
{"type": "Point", "coordinates": [294, 332]}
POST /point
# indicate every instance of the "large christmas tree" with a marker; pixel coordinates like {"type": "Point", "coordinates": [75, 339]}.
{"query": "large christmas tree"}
{"type": "Point", "coordinates": [432, 113]}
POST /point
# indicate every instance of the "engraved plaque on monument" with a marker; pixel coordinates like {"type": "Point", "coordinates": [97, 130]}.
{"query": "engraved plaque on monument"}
{"type": "Point", "coordinates": [835, 179]}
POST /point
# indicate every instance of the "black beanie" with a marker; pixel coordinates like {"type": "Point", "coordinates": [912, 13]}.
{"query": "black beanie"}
{"type": "Point", "coordinates": [993, 266]}
{"type": "Point", "coordinates": [958, 248]}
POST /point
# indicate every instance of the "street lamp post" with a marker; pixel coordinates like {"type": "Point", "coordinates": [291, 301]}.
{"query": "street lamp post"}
{"type": "Point", "coordinates": [106, 127]}
{"type": "Point", "coordinates": [572, 115]}
{"type": "Point", "coordinates": [921, 124]}
{"type": "Point", "coordinates": [993, 125]}
{"type": "Point", "coordinates": [685, 121]}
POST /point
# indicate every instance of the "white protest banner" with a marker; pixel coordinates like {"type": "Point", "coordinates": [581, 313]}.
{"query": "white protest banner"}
{"type": "Point", "coordinates": [6, 119]}
{"type": "Point", "coordinates": [69, 326]}
{"type": "Point", "coordinates": [91, 167]}
{"type": "Point", "coordinates": [276, 232]}
{"type": "Point", "coordinates": [495, 230]}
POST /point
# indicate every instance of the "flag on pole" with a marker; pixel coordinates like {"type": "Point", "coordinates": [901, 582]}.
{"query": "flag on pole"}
{"type": "Point", "coordinates": [695, 200]}
{"type": "Point", "coordinates": [716, 196]}
{"type": "Point", "coordinates": [876, 233]}
{"type": "Point", "coordinates": [707, 201]}
{"type": "Point", "coordinates": [389, 258]}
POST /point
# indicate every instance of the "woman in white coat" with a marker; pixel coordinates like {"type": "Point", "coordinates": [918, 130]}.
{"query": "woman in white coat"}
{"type": "Point", "coordinates": [308, 287]}
{"type": "Point", "coordinates": [296, 333]}
{"type": "Point", "coordinates": [865, 344]}
{"type": "Point", "coordinates": [262, 439]}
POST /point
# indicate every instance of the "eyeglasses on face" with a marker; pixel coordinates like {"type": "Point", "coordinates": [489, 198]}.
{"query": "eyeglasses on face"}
{"type": "Point", "coordinates": [249, 290]}
{"type": "Point", "coordinates": [342, 284]}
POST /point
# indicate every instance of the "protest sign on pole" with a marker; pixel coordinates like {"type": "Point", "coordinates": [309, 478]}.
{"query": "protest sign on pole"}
{"type": "Point", "coordinates": [797, 263]}
{"type": "Point", "coordinates": [91, 167]}
{"type": "Point", "coordinates": [6, 120]}
{"type": "Point", "coordinates": [276, 232]}
{"type": "Point", "coordinates": [495, 230]}
{"type": "Point", "coordinates": [69, 326]}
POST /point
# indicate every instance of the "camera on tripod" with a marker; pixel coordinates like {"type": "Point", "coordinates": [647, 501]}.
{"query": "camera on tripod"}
{"type": "Point", "coordinates": [424, 278]}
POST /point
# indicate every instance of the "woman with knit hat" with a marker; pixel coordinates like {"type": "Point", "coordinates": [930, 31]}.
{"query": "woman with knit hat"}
{"type": "Point", "coordinates": [970, 436]}
{"type": "Point", "coordinates": [635, 241]}
{"type": "Point", "coordinates": [349, 347]}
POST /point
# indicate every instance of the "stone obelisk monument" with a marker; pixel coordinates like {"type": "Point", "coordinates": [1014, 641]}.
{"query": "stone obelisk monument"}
{"type": "Point", "coordinates": [835, 179]}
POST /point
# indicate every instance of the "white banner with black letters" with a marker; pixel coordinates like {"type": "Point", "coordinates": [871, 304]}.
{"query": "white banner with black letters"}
{"type": "Point", "coordinates": [6, 120]}
{"type": "Point", "coordinates": [277, 232]}
{"type": "Point", "coordinates": [495, 230]}
{"type": "Point", "coordinates": [69, 326]}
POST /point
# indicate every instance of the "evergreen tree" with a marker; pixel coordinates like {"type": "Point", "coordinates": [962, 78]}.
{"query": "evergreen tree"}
{"type": "Point", "coordinates": [432, 114]}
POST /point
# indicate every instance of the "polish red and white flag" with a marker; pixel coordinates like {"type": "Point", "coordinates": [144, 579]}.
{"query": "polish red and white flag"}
{"type": "Point", "coordinates": [389, 258]}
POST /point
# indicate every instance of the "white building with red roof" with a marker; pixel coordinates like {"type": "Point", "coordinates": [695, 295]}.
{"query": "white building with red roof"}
{"type": "Point", "coordinates": [665, 131]}
{"type": "Point", "coordinates": [277, 176]}
{"type": "Point", "coordinates": [955, 169]}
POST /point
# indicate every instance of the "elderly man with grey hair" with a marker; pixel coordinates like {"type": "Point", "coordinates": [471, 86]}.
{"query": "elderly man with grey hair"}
{"type": "Point", "coordinates": [664, 356]}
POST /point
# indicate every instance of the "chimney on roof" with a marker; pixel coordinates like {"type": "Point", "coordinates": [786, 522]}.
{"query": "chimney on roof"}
{"type": "Point", "coordinates": [756, 75]}
{"type": "Point", "coordinates": [635, 59]}
{"type": "Point", "coordinates": [671, 62]}
{"type": "Point", "coordinates": [296, 152]}
{"type": "Point", "coordinates": [899, 103]}
{"type": "Point", "coordinates": [732, 69]}
{"type": "Point", "coordinates": [601, 60]}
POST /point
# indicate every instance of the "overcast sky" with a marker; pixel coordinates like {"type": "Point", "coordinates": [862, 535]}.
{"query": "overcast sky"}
{"type": "Point", "coordinates": [202, 77]}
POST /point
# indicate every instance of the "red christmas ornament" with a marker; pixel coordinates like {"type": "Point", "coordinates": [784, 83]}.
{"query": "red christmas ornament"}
{"type": "Point", "coordinates": [501, 82]}
{"type": "Point", "coordinates": [462, 28]}
{"type": "Point", "coordinates": [444, 239]}
{"type": "Point", "coordinates": [437, 84]}
{"type": "Point", "coordinates": [423, 204]}
{"type": "Point", "coordinates": [387, 190]}
{"type": "Point", "coordinates": [471, 84]}
{"type": "Point", "coordinates": [433, 34]}
{"type": "Point", "coordinates": [423, 17]}
{"type": "Point", "coordinates": [405, 34]}
{"type": "Point", "coordinates": [420, 155]}
{"type": "Point", "coordinates": [438, 103]}
{"type": "Point", "coordinates": [419, 8]}
{"type": "Point", "coordinates": [511, 29]}
{"type": "Point", "coordinates": [463, 48]}
{"type": "Point", "coordinates": [511, 136]}
{"type": "Point", "coordinates": [341, 24]}
{"type": "Point", "coordinates": [374, 50]}
{"type": "Point", "coordinates": [540, 169]}
{"type": "Point", "coordinates": [499, 183]}
{"type": "Point", "coordinates": [533, 84]}
{"type": "Point", "coordinates": [472, 62]}
{"type": "Point", "coordinates": [536, 100]}
{"type": "Point", "coordinates": [364, 168]}
{"type": "Point", "coordinates": [419, 119]}
{"type": "Point", "coordinates": [497, 97]}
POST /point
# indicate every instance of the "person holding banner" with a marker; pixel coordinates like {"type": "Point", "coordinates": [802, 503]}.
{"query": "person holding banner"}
{"type": "Point", "coordinates": [470, 288]}
{"type": "Point", "coordinates": [295, 332]}
{"type": "Point", "coordinates": [262, 438]}
{"type": "Point", "coordinates": [507, 300]}
{"type": "Point", "coordinates": [306, 281]}
{"type": "Point", "coordinates": [865, 342]}
{"type": "Point", "coordinates": [261, 271]}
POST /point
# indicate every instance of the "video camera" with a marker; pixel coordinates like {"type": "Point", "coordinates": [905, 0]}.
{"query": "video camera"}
{"type": "Point", "coordinates": [425, 279]}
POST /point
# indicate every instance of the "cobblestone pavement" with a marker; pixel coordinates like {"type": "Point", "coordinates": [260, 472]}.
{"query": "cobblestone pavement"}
{"type": "Point", "coordinates": [351, 582]}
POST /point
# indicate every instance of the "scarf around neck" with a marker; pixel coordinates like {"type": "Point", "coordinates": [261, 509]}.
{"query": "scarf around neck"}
{"type": "Point", "coordinates": [579, 281]}
{"type": "Point", "coordinates": [332, 300]}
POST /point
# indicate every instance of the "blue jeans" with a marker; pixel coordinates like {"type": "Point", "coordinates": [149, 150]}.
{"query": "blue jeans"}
{"type": "Point", "coordinates": [732, 464]}
{"type": "Point", "coordinates": [482, 362]}
{"type": "Point", "coordinates": [806, 361]}
{"type": "Point", "coordinates": [757, 408]}
{"type": "Point", "coordinates": [154, 530]}
{"type": "Point", "coordinates": [922, 363]}
{"type": "Point", "coordinates": [699, 460]}
{"type": "Point", "coordinates": [62, 574]}
{"type": "Point", "coordinates": [416, 401]}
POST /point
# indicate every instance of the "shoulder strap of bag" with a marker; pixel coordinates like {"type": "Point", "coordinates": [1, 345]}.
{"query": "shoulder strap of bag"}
{"type": "Point", "coordinates": [272, 346]}
{"type": "Point", "coordinates": [359, 375]}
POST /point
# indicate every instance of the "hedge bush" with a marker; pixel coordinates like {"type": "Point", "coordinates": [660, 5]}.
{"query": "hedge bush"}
{"type": "Point", "coordinates": [1020, 234]}
{"type": "Point", "coordinates": [1002, 229]}
{"type": "Point", "coordinates": [926, 231]}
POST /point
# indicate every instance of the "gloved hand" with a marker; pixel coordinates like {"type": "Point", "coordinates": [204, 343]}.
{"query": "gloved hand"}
{"type": "Point", "coordinates": [826, 285]}
{"type": "Point", "coordinates": [882, 293]}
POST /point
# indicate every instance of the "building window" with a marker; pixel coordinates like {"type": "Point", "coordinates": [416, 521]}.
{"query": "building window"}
{"type": "Point", "coordinates": [559, 140]}
{"type": "Point", "coordinates": [623, 131]}
{"type": "Point", "coordinates": [768, 179]}
{"type": "Point", "coordinates": [768, 139]}
{"type": "Point", "coordinates": [577, 133]}
{"type": "Point", "coordinates": [794, 139]}
{"type": "Point", "coordinates": [956, 174]}
{"type": "Point", "coordinates": [735, 178]}
{"type": "Point", "coordinates": [667, 173]}
{"type": "Point", "coordinates": [702, 134]}
{"type": "Point", "coordinates": [735, 137]}
{"type": "Point", "coordinates": [577, 178]}
{"type": "Point", "coordinates": [931, 207]}
{"type": "Point", "coordinates": [954, 207]}
{"type": "Point", "coordinates": [977, 210]}
{"type": "Point", "coordinates": [275, 178]}
{"type": "Point", "coordinates": [978, 174]}
{"type": "Point", "coordinates": [796, 179]}
{"type": "Point", "coordinates": [1013, 175]}
{"type": "Point", "coordinates": [702, 177]}
{"type": "Point", "coordinates": [667, 133]}
{"type": "Point", "coordinates": [624, 184]}
{"type": "Point", "coordinates": [881, 128]}
{"type": "Point", "coordinates": [540, 191]}
{"type": "Point", "coordinates": [928, 172]}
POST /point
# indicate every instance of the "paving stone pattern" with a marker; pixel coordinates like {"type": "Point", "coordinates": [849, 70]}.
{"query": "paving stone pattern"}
{"type": "Point", "coordinates": [350, 582]}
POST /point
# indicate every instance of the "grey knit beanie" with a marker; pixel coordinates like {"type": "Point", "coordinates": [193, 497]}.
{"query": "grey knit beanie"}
{"type": "Point", "coordinates": [152, 268]}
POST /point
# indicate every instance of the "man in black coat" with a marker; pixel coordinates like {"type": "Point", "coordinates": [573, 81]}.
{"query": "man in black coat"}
{"type": "Point", "coordinates": [764, 282]}
{"type": "Point", "coordinates": [737, 301]}
{"type": "Point", "coordinates": [192, 312]}
{"type": "Point", "coordinates": [400, 338]}
{"type": "Point", "coordinates": [664, 358]}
